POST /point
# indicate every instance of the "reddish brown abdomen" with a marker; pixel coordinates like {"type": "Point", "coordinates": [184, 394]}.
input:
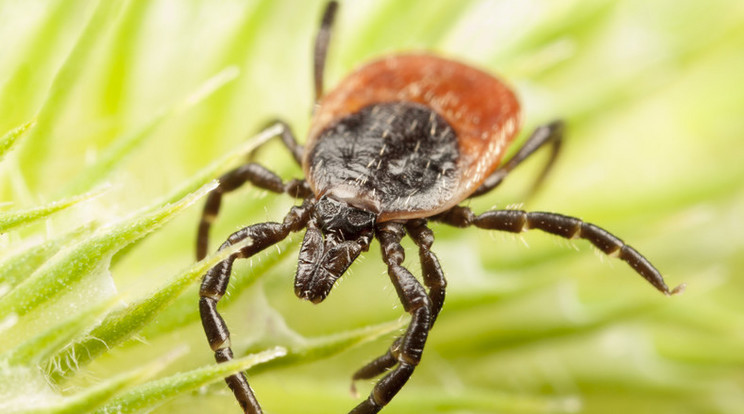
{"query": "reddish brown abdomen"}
{"type": "Point", "coordinates": [481, 109]}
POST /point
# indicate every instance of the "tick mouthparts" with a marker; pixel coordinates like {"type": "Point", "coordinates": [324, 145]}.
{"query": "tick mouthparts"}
{"type": "Point", "coordinates": [308, 296]}
{"type": "Point", "coordinates": [315, 289]}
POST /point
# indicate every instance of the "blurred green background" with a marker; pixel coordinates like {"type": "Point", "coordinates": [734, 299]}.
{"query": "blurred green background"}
{"type": "Point", "coordinates": [135, 104]}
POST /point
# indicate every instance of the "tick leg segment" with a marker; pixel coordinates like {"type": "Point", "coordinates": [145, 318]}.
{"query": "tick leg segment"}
{"type": "Point", "coordinates": [321, 47]}
{"type": "Point", "coordinates": [416, 302]}
{"type": "Point", "coordinates": [517, 221]}
{"type": "Point", "coordinates": [432, 271]}
{"type": "Point", "coordinates": [230, 181]}
{"type": "Point", "coordinates": [551, 133]}
{"type": "Point", "coordinates": [214, 285]}
{"type": "Point", "coordinates": [288, 139]}
{"type": "Point", "coordinates": [433, 279]}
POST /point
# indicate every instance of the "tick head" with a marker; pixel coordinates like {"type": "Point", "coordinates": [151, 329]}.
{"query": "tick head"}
{"type": "Point", "coordinates": [337, 234]}
{"type": "Point", "coordinates": [339, 221]}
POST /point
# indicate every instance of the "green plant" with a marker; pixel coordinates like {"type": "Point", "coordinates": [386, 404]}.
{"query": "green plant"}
{"type": "Point", "coordinates": [116, 116]}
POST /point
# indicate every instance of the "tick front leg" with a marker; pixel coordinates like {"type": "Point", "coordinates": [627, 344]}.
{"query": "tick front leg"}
{"type": "Point", "coordinates": [232, 180]}
{"type": "Point", "coordinates": [517, 221]}
{"type": "Point", "coordinates": [214, 286]}
{"type": "Point", "coordinates": [415, 301]}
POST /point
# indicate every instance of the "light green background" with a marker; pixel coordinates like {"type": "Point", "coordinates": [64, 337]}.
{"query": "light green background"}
{"type": "Point", "coordinates": [144, 95]}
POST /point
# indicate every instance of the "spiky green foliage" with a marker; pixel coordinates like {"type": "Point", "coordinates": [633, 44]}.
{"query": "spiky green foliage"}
{"type": "Point", "coordinates": [115, 118]}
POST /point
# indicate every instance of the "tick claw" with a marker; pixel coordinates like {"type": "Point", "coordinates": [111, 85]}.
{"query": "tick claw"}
{"type": "Point", "coordinates": [679, 289]}
{"type": "Point", "coordinates": [354, 392]}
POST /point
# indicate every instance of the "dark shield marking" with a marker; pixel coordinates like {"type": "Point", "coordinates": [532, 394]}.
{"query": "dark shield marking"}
{"type": "Point", "coordinates": [387, 158]}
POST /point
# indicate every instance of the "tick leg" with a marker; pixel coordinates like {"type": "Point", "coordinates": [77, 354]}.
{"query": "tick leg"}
{"type": "Point", "coordinates": [517, 221]}
{"type": "Point", "coordinates": [322, 40]}
{"type": "Point", "coordinates": [551, 133]}
{"type": "Point", "coordinates": [433, 279]}
{"type": "Point", "coordinates": [432, 271]}
{"type": "Point", "coordinates": [256, 175]}
{"type": "Point", "coordinates": [378, 365]}
{"type": "Point", "coordinates": [214, 286]}
{"type": "Point", "coordinates": [288, 139]}
{"type": "Point", "coordinates": [416, 302]}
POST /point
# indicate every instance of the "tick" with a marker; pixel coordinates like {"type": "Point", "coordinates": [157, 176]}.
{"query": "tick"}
{"type": "Point", "coordinates": [398, 143]}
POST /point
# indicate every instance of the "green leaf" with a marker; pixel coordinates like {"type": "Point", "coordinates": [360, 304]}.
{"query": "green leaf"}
{"type": "Point", "coordinates": [124, 145]}
{"type": "Point", "coordinates": [156, 392]}
{"type": "Point", "coordinates": [93, 397]}
{"type": "Point", "coordinates": [12, 219]}
{"type": "Point", "coordinates": [47, 42]}
{"type": "Point", "coordinates": [36, 150]}
{"type": "Point", "coordinates": [210, 171]}
{"type": "Point", "coordinates": [23, 263]}
{"type": "Point", "coordinates": [431, 399]}
{"type": "Point", "coordinates": [183, 310]}
{"type": "Point", "coordinates": [8, 140]}
{"type": "Point", "coordinates": [224, 162]}
{"type": "Point", "coordinates": [123, 323]}
{"type": "Point", "coordinates": [71, 265]}
{"type": "Point", "coordinates": [326, 346]}
{"type": "Point", "coordinates": [150, 395]}
{"type": "Point", "coordinates": [43, 346]}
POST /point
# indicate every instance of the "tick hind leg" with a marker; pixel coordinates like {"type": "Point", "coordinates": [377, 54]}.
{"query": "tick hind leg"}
{"type": "Point", "coordinates": [433, 279]}
{"type": "Point", "coordinates": [405, 353]}
{"type": "Point", "coordinates": [254, 174]}
{"type": "Point", "coordinates": [517, 221]}
{"type": "Point", "coordinates": [214, 286]}
{"type": "Point", "coordinates": [552, 134]}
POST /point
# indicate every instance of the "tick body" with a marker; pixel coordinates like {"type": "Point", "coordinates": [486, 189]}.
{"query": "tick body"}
{"type": "Point", "coordinates": [398, 143]}
{"type": "Point", "coordinates": [409, 136]}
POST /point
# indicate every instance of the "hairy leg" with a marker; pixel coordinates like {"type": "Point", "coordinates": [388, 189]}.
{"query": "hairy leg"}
{"type": "Point", "coordinates": [214, 286]}
{"type": "Point", "coordinates": [321, 47]}
{"type": "Point", "coordinates": [232, 180]}
{"type": "Point", "coordinates": [288, 139]}
{"type": "Point", "coordinates": [433, 279]}
{"type": "Point", "coordinates": [551, 133]}
{"type": "Point", "coordinates": [416, 302]}
{"type": "Point", "coordinates": [517, 221]}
